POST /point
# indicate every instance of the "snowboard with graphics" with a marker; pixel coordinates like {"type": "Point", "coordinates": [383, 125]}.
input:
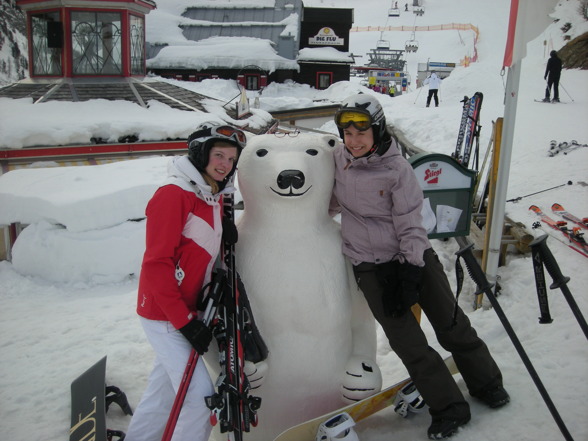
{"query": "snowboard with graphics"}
{"type": "Point", "coordinates": [88, 404]}
{"type": "Point", "coordinates": [358, 411]}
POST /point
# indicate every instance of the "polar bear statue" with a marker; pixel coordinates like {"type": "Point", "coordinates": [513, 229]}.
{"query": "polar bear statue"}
{"type": "Point", "coordinates": [315, 321]}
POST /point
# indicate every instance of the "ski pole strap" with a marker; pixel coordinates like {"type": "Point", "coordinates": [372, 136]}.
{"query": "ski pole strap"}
{"type": "Point", "coordinates": [540, 285]}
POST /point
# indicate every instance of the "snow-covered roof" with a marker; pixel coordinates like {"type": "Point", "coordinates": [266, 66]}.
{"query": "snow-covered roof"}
{"type": "Point", "coordinates": [180, 22]}
{"type": "Point", "coordinates": [222, 52]}
{"type": "Point", "coordinates": [326, 54]}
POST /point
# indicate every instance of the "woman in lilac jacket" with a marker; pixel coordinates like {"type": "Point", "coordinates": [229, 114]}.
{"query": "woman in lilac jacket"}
{"type": "Point", "coordinates": [380, 203]}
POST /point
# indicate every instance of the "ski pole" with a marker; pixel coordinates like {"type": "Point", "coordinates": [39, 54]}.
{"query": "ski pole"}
{"type": "Point", "coordinates": [540, 285]}
{"type": "Point", "coordinates": [559, 280]}
{"type": "Point", "coordinates": [477, 274]}
{"type": "Point", "coordinates": [418, 94]}
{"type": "Point", "coordinates": [537, 192]}
{"type": "Point", "coordinates": [566, 91]}
{"type": "Point", "coordinates": [212, 301]}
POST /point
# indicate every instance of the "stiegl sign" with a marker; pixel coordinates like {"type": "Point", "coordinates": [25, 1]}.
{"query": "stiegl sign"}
{"type": "Point", "coordinates": [448, 193]}
{"type": "Point", "coordinates": [435, 175]}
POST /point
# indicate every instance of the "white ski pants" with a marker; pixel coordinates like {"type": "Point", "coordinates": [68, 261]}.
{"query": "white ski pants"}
{"type": "Point", "coordinates": [150, 417]}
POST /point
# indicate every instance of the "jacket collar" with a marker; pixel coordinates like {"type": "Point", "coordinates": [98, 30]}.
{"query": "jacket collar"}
{"type": "Point", "coordinates": [182, 173]}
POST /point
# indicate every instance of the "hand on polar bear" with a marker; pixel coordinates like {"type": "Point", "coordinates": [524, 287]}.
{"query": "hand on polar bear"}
{"type": "Point", "coordinates": [362, 379]}
{"type": "Point", "coordinates": [255, 373]}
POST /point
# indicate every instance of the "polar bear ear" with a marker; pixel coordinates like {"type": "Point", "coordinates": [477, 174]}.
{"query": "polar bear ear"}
{"type": "Point", "coordinates": [331, 141]}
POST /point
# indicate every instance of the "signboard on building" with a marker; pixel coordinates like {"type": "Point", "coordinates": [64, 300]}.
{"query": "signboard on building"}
{"type": "Point", "coordinates": [326, 37]}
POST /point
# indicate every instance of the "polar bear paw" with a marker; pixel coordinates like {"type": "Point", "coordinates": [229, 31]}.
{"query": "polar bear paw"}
{"type": "Point", "coordinates": [255, 372]}
{"type": "Point", "coordinates": [362, 379]}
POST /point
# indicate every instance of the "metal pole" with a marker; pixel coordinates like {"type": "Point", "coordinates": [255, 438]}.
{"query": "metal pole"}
{"type": "Point", "coordinates": [498, 207]}
{"type": "Point", "coordinates": [566, 91]}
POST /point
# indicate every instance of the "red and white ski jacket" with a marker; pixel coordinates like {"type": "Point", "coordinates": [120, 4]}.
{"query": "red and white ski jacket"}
{"type": "Point", "coordinates": [182, 243]}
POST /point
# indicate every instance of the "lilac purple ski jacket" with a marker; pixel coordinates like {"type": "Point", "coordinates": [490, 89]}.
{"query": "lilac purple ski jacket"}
{"type": "Point", "coordinates": [380, 203]}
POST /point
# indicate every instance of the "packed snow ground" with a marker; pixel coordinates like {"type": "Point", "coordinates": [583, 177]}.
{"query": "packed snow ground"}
{"type": "Point", "coordinates": [68, 298]}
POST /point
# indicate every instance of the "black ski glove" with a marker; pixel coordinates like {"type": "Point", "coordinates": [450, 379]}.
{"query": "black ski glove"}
{"type": "Point", "coordinates": [198, 334]}
{"type": "Point", "coordinates": [230, 233]}
{"type": "Point", "coordinates": [409, 277]}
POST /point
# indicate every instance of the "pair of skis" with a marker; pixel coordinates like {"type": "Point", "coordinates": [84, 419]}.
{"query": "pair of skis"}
{"type": "Point", "coordinates": [574, 235]}
{"type": "Point", "coordinates": [563, 147]}
{"type": "Point", "coordinates": [232, 407]}
{"type": "Point", "coordinates": [469, 128]}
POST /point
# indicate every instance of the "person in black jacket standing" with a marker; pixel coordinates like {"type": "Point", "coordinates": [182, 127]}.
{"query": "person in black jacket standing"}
{"type": "Point", "coordinates": [552, 74]}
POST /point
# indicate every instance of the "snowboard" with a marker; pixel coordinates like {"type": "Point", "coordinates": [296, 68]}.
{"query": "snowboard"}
{"type": "Point", "coordinates": [88, 405]}
{"type": "Point", "coordinates": [307, 430]}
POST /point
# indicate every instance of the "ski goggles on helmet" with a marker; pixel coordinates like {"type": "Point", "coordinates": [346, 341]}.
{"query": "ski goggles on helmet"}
{"type": "Point", "coordinates": [222, 132]}
{"type": "Point", "coordinates": [360, 119]}
{"type": "Point", "coordinates": [228, 132]}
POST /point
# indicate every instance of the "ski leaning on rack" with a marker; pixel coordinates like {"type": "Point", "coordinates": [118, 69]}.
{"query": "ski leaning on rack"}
{"type": "Point", "coordinates": [469, 127]}
{"type": "Point", "coordinates": [307, 431]}
{"type": "Point", "coordinates": [472, 126]}
{"type": "Point", "coordinates": [231, 406]}
{"type": "Point", "coordinates": [575, 236]}
{"type": "Point", "coordinates": [561, 211]}
{"type": "Point", "coordinates": [462, 126]}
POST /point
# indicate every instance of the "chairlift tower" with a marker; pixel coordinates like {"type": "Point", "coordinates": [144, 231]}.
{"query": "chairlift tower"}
{"type": "Point", "coordinates": [387, 58]}
{"type": "Point", "coordinates": [384, 57]}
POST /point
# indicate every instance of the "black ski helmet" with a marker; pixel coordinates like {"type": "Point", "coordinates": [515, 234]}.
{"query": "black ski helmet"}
{"type": "Point", "coordinates": [367, 103]}
{"type": "Point", "coordinates": [206, 134]}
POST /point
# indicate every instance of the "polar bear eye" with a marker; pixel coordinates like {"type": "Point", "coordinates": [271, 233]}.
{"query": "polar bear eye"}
{"type": "Point", "coordinates": [261, 153]}
{"type": "Point", "coordinates": [312, 152]}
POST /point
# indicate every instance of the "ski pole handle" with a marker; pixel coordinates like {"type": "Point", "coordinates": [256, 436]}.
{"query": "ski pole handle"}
{"type": "Point", "coordinates": [559, 280]}
{"type": "Point", "coordinates": [540, 284]}
{"type": "Point", "coordinates": [550, 263]}
{"type": "Point", "coordinates": [474, 268]}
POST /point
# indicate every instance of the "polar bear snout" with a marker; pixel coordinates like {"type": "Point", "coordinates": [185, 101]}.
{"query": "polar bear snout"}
{"type": "Point", "coordinates": [290, 180]}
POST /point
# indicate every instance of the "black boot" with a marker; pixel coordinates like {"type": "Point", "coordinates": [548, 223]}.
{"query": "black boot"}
{"type": "Point", "coordinates": [442, 428]}
{"type": "Point", "coordinates": [493, 397]}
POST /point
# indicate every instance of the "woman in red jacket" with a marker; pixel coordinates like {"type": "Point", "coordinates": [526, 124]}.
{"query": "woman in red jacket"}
{"type": "Point", "coordinates": [183, 238]}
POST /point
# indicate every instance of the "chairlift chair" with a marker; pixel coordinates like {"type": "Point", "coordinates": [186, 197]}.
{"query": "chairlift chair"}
{"type": "Point", "coordinates": [418, 10]}
{"type": "Point", "coordinates": [394, 10]}
{"type": "Point", "coordinates": [411, 46]}
{"type": "Point", "coordinates": [383, 44]}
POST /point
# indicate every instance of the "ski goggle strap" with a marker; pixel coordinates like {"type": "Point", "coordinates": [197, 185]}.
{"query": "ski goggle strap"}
{"type": "Point", "coordinates": [230, 133]}
{"type": "Point", "coordinates": [360, 119]}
